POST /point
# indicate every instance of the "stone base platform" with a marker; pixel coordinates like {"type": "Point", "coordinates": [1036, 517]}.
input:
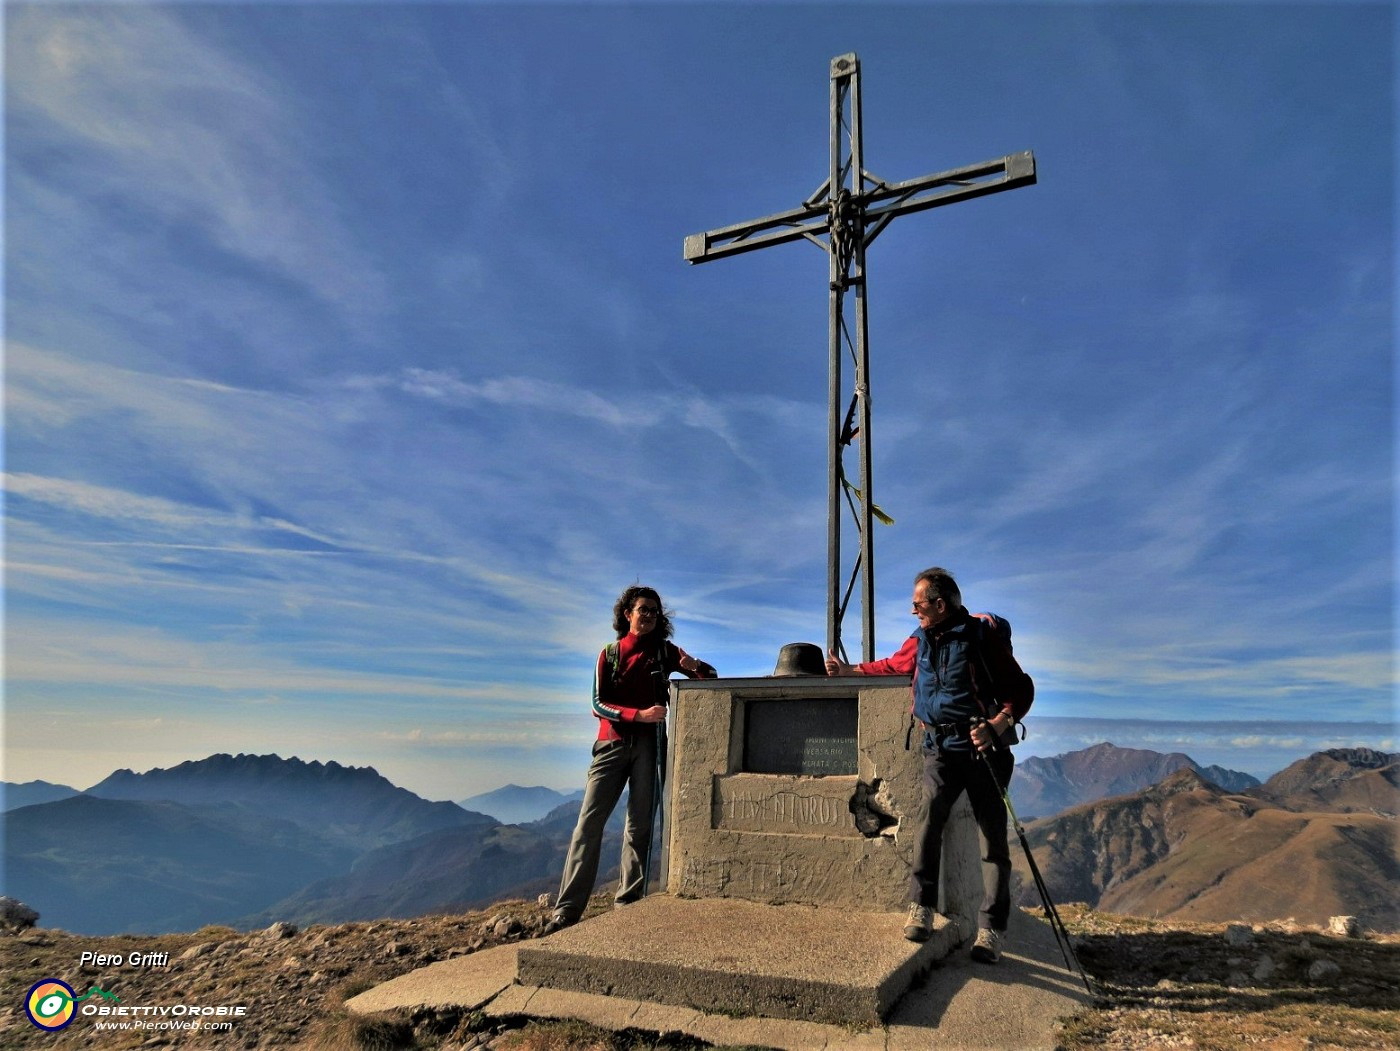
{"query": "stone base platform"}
{"type": "Point", "coordinates": [958, 1006]}
{"type": "Point", "coordinates": [729, 956]}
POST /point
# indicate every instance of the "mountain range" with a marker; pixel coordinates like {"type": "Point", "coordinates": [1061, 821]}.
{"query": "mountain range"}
{"type": "Point", "coordinates": [353, 806]}
{"type": "Point", "coordinates": [1316, 840]}
{"type": "Point", "coordinates": [1042, 787]}
{"type": "Point", "coordinates": [245, 840]}
{"type": "Point", "coordinates": [208, 841]}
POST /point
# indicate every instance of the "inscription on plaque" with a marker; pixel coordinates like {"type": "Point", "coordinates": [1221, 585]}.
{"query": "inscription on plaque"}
{"type": "Point", "coordinates": [786, 805]}
{"type": "Point", "coordinates": [815, 737]}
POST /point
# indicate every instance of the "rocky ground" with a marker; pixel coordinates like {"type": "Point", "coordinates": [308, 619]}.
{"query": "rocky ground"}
{"type": "Point", "coordinates": [1215, 988]}
{"type": "Point", "coordinates": [1233, 987]}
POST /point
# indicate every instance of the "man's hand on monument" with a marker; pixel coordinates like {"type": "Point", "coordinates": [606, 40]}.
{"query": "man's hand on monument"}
{"type": "Point", "coordinates": [836, 666]}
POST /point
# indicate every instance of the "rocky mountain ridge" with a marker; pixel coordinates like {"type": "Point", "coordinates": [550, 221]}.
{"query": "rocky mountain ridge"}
{"type": "Point", "coordinates": [1043, 786]}
{"type": "Point", "coordinates": [1299, 845]}
{"type": "Point", "coordinates": [245, 840]}
{"type": "Point", "coordinates": [353, 805]}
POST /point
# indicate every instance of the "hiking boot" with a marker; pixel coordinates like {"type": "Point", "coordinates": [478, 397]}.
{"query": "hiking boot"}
{"type": "Point", "coordinates": [557, 922]}
{"type": "Point", "coordinates": [919, 924]}
{"type": "Point", "coordinates": [987, 947]}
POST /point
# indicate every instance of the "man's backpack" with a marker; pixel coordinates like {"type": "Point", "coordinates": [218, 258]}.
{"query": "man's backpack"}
{"type": "Point", "coordinates": [994, 630]}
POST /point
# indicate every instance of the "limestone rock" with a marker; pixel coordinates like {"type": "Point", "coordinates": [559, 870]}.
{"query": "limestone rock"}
{"type": "Point", "coordinates": [1321, 970]}
{"type": "Point", "coordinates": [1344, 926]}
{"type": "Point", "coordinates": [502, 925]}
{"type": "Point", "coordinates": [1237, 934]}
{"type": "Point", "coordinates": [15, 915]}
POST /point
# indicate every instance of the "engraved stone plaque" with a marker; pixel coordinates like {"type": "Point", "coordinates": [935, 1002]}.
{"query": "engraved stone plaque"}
{"type": "Point", "coordinates": [780, 804]}
{"type": "Point", "coordinates": [816, 737]}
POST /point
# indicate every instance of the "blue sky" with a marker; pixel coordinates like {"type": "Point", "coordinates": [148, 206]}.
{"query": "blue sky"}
{"type": "Point", "coordinates": [352, 368]}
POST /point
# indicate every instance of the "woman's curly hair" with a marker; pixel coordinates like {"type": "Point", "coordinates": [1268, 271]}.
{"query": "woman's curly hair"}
{"type": "Point", "coordinates": [628, 600]}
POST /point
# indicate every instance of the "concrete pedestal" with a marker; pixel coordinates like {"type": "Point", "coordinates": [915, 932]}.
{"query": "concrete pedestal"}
{"type": "Point", "coordinates": [729, 956]}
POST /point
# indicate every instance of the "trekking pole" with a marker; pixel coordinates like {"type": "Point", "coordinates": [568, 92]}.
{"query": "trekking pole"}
{"type": "Point", "coordinates": [658, 779]}
{"type": "Point", "coordinates": [1057, 925]}
{"type": "Point", "coordinates": [658, 787]}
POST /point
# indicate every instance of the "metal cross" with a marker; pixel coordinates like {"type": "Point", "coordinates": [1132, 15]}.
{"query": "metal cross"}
{"type": "Point", "coordinates": [851, 208]}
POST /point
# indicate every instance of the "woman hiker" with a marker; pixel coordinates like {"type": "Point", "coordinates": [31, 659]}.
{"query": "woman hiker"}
{"type": "Point", "coordinates": [630, 692]}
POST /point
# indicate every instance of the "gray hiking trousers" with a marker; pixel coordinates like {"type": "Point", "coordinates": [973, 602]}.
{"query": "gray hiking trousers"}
{"type": "Point", "coordinates": [629, 763]}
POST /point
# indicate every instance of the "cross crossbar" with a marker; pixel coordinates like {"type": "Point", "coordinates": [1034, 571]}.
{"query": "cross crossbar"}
{"type": "Point", "coordinates": [881, 204]}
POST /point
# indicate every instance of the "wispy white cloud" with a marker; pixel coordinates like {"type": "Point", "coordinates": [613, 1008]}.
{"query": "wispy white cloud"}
{"type": "Point", "coordinates": [1207, 675]}
{"type": "Point", "coordinates": [81, 541]}
{"type": "Point", "coordinates": [73, 653]}
{"type": "Point", "coordinates": [103, 502]}
{"type": "Point", "coordinates": [511, 392]}
{"type": "Point", "coordinates": [192, 132]}
{"type": "Point", "coordinates": [728, 419]}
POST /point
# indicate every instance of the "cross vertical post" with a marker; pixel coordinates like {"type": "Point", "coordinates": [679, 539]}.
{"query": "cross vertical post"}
{"type": "Point", "coordinates": [851, 208]}
{"type": "Point", "coordinates": [847, 270]}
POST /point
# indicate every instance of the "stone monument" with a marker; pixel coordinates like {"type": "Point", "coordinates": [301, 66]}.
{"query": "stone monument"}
{"type": "Point", "coordinates": [801, 790]}
{"type": "Point", "coordinates": [792, 809]}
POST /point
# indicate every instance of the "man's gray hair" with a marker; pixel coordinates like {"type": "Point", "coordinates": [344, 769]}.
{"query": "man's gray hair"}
{"type": "Point", "coordinates": [941, 585]}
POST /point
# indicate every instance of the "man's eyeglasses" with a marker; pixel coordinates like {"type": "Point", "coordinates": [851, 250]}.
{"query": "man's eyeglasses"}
{"type": "Point", "coordinates": [650, 610]}
{"type": "Point", "coordinates": [927, 604]}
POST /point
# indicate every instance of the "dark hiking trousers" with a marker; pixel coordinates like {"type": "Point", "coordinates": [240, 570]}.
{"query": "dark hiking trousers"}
{"type": "Point", "coordinates": [947, 775]}
{"type": "Point", "coordinates": [631, 764]}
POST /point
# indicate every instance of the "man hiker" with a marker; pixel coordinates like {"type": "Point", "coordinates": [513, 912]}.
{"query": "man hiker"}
{"type": "Point", "coordinates": [966, 685]}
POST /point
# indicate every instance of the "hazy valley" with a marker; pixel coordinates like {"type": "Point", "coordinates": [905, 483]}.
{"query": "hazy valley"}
{"type": "Point", "coordinates": [249, 840]}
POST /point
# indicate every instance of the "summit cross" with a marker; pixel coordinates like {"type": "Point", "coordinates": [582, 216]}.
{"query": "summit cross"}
{"type": "Point", "coordinates": [844, 215]}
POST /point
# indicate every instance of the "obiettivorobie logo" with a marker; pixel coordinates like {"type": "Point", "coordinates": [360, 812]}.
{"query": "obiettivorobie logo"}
{"type": "Point", "coordinates": [52, 1004]}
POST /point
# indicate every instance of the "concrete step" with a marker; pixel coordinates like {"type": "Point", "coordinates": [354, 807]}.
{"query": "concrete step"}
{"type": "Point", "coordinates": [728, 956]}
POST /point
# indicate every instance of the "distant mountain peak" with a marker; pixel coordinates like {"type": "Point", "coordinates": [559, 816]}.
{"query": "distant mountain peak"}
{"type": "Point", "coordinates": [246, 765]}
{"type": "Point", "coordinates": [516, 805]}
{"type": "Point", "coordinates": [350, 804]}
{"type": "Point", "coordinates": [1044, 786]}
{"type": "Point", "coordinates": [30, 793]}
{"type": "Point", "coordinates": [1341, 779]}
{"type": "Point", "coordinates": [1185, 779]}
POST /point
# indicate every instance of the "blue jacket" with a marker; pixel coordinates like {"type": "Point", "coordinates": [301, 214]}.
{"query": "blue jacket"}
{"type": "Point", "coordinates": [949, 664]}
